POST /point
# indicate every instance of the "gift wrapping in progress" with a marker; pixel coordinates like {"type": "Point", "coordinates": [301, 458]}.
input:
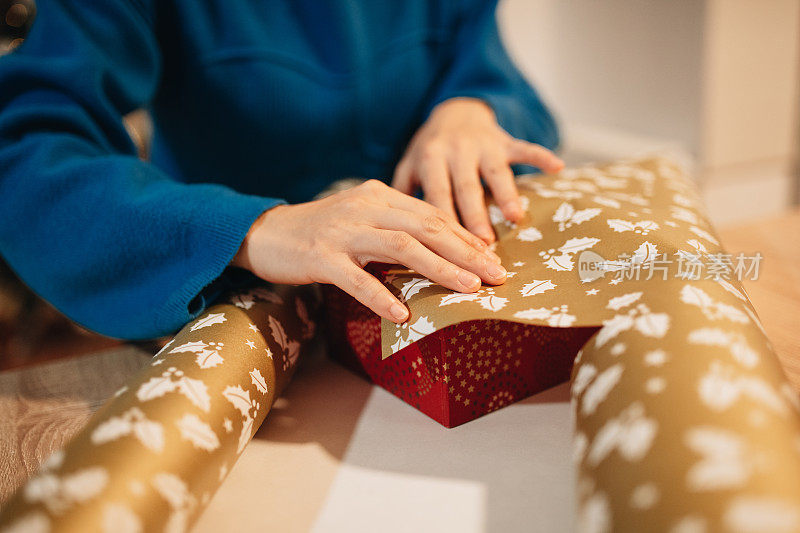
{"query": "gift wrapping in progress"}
{"type": "Point", "coordinates": [684, 420]}
{"type": "Point", "coordinates": [684, 417]}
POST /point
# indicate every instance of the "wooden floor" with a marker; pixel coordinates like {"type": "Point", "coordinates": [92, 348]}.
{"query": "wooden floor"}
{"type": "Point", "coordinates": [776, 293]}
{"type": "Point", "coordinates": [42, 406]}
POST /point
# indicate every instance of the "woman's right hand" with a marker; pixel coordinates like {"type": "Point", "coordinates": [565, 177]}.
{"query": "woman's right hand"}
{"type": "Point", "coordinates": [332, 239]}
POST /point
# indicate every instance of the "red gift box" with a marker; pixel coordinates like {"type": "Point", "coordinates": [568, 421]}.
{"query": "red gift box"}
{"type": "Point", "coordinates": [457, 373]}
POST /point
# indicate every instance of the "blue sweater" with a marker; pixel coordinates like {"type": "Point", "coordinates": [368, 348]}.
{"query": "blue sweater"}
{"type": "Point", "coordinates": [255, 102]}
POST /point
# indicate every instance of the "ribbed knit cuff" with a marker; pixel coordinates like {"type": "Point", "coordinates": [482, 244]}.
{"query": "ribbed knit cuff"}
{"type": "Point", "coordinates": [220, 232]}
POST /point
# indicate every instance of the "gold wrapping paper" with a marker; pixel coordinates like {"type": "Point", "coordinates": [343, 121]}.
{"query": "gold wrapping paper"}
{"type": "Point", "coordinates": [151, 458]}
{"type": "Point", "coordinates": [684, 419]}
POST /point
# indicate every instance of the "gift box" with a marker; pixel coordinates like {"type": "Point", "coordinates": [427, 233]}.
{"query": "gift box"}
{"type": "Point", "coordinates": [457, 373]}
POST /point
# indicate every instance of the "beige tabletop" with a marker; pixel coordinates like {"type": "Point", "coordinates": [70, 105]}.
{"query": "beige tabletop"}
{"type": "Point", "coordinates": [337, 454]}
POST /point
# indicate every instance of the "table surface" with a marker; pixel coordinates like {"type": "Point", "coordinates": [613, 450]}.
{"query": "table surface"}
{"type": "Point", "coordinates": [377, 458]}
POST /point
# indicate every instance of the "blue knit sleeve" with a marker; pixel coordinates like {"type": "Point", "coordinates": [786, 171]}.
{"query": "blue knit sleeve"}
{"type": "Point", "coordinates": [108, 239]}
{"type": "Point", "coordinates": [481, 68]}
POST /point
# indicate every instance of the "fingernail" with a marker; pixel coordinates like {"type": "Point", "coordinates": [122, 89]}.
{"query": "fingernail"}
{"type": "Point", "coordinates": [515, 210]}
{"type": "Point", "coordinates": [487, 235]}
{"type": "Point", "coordinates": [468, 279]}
{"type": "Point", "coordinates": [399, 312]}
{"type": "Point", "coordinates": [495, 271]}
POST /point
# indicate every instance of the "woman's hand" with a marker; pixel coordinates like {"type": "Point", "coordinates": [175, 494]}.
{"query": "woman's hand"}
{"type": "Point", "coordinates": [460, 143]}
{"type": "Point", "coordinates": [330, 240]}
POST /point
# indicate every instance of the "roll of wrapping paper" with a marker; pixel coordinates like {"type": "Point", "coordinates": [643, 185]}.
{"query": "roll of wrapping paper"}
{"type": "Point", "coordinates": [684, 418]}
{"type": "Point", "coordinates": [151, 458]}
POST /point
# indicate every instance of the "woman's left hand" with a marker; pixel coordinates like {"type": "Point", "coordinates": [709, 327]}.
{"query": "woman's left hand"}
{"type": "Point", "coordinates": [460, 143]}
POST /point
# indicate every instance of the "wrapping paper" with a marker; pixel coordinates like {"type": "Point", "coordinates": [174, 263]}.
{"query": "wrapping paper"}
{"type": "Point", "coordinates": [151, 458]}
{"type": "Point", "coordinates": [684, 419]}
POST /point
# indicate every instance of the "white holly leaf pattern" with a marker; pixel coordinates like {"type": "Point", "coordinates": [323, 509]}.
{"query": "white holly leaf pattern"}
{"type": "Point", "coordinates": [561, 320]}
{"type": "Point", "coordinates": [645, 253]}
{"type": "Point", "coordinates": [711, 309]}
{"type": "Point", "coordinates": [561, 263]}
{"type": "Point", "coordinates": [731, 313]}
{"type": "Point", "coordinates": [608, 202]}
{"type": "Point", "coordinates": [537, 286]}
{"type": "Point", "coordinates": [722, 386]}
{"type": "Point", "coordinates": [243, 301]}
{"type": "Point", "coordinates": [413, 332]}
{"type": "Point", "coordinates": [194, 347]}
{"type": "Point", "coordinates": [582, 215]}
{"type": "Point", "coordinates": [208, 359]}
{"type": "Point", "coordinates": [198, 432]}
{"type": "Point", "coordinates": [493, 303]}
{"type": "Point", "coordinates": [413, 286]}
{"type": "Point", "coordinates": [149, 433]}
{"type": "Point", "coordinates": [246, 433]}
{"type": "Point", "coordinates": [695, 296]}
{"type": "Point", "coordinates": [156, 387]}
{"type": "Point", "coordinates": [642, 226]}
{"type": "Point", "coordinates": [631, 434]}
{"type": "Point", "coordinates": [495, 215]}
{"type": "Point", "coordinates": [724, 464]}
{"type": "Point", "coordinates": [731, 289]}
{"type": "Point", "coordinates": [563, 213]}
{"type": "Point", "coordinates": [529, 235]}
{"type": "Point", "coordinates": [278, 332]}
{"type": "Point", "coordinates": [195, 391]}
{"type": "Point", "coordinates": [239, 397]}
{"type": "Point", "coordinates": [597, 391]}
{"type": "Point", "coordinates": [566, 216]}
{"type": "Point", "coordinates": [586, 373]}
{"type": "Point", "coordinates": [613, 327]}
{"type": "Point", "coordinates": [737, 344]}
{"type": "Point", "coordinates": [578, 244]}
{"type": "Point", "coordinates": [173, 489]}
{"type": "Point", "coordinates": [84, 484]}
{"type": "Point", "coordinates": [291, 354]}
{"type": "Point", "coordinates": [652, 324]}
{"type": "Point", "coordinates": [625, 300]}
{"type": "Point", "coordinates": [112, 429]}
{"type": "Point", "coordinates": [258, 380]}
{"type": "Point", "coordinates": [118, 518]}
{"type": "Point", "coordinates": [540, 313]}
{"type": "Point", "coordinates": [697, 245]}
{"type": "Point", "coordinates": [458, 297]}
{"type": "Point", "coordinates": [208, 320]}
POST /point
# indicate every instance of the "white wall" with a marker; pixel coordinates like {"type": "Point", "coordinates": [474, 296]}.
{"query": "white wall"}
{"type": "Point", "coordinates": [713, 82]}
{"type": "Point", "coordinates": [617, 64]}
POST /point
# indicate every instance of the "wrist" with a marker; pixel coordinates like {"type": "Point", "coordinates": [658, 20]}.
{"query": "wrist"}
{"type": "Point", "coordinates": [465, 103]}
{"type": "Point", "coordinates": [245, 256]}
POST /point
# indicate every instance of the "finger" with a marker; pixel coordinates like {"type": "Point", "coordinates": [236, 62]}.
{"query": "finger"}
{"type": "Point", "coordinates": [435, 234]}
{"type": "Point", "coordinates": [362, 286]}
{"type": "Point", "coordinates": [469, 198]}
{"type": "Point", "coordinates": [435, 182]}
{"type": "Point", "coordinates": [408, 203]}
{"type": "Point", "coordinates": [532, 154]}
{"type": "Point", "coordinates": [400, 247]}
{"type": "Point", "coordinates": [403, 176]}
{"type": "Point", "coordinates": [497, 174]}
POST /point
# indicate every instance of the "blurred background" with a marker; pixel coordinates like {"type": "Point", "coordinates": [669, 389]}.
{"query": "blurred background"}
{"type": "Point", "coordinates": [711, 83]}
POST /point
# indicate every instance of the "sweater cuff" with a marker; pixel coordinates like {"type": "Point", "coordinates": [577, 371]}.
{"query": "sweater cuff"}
{"type": "Point", "coordinates": [213, 240]}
